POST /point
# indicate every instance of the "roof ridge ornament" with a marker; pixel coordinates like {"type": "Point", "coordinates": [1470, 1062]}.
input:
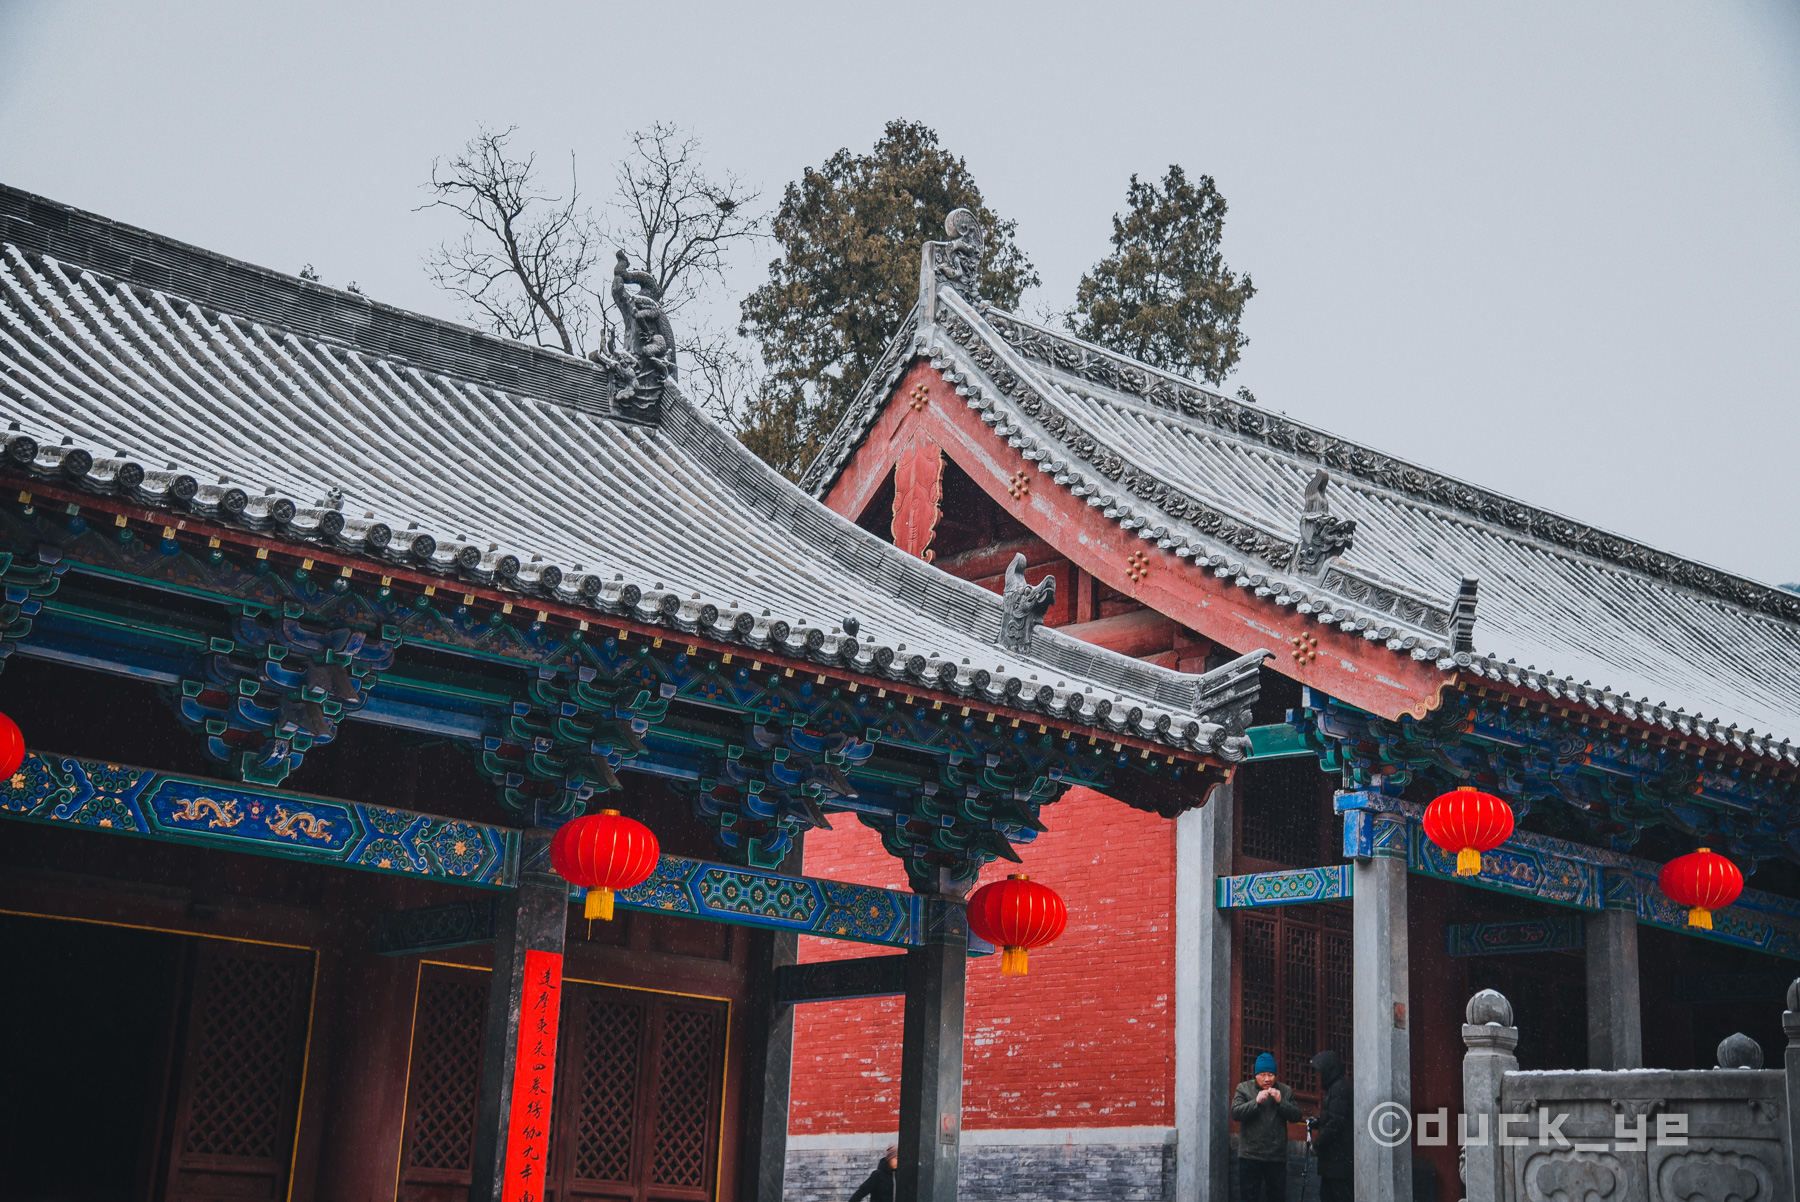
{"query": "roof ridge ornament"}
{"type": "Point", "coordinates": [1322, 533]}
{"type": "Point", "coordinates": [649, 342]}
{"type": "Point", "coordinates": [956, 262]}
{"type": "Point", "coordinates": [1023, 605]}
{"type": "Point", "coordinates": [1462, 616]}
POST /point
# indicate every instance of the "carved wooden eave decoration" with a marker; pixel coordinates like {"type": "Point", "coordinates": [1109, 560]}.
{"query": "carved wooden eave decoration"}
{"type": "Point", "coordinates": [1194, 503]}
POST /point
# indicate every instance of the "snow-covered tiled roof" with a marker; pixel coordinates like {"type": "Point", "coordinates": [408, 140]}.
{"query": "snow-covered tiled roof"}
{"type": "Point", "coordinates": [1564, 608]}
{"type": "Point", "coordinates": [133, 364]}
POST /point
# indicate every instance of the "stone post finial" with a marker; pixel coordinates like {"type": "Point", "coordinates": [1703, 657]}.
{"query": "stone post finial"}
{"type": "Point", "coordinates": [1739, 1051]}
{"type": "Point", "coordinates": [1490, 1038]}
{"type": "Point", "coordinates": [1489, 1008]}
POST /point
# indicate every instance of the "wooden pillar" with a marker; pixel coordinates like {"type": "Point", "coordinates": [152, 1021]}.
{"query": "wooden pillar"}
{"type": "Point", "coordinates": [931, 1062]}
{"type": "Point", "coordinates": [518, 1060]}
{"type": "Point", "coordinates": [768, 1070]}
{"type": "Point", "coordinates": [768, 1059]}
{"type": "Point", "coordinates": [1614, 1017]}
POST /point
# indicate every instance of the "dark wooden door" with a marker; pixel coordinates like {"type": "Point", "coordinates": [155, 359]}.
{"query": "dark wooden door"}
{"type": "Point", "coordinates": [238, 1092]}
{"type": "Point", "coordinates": [639, 1084]}
{"type": "Point", "coordinates": [442, 1088]}
{"type": "Point", "coordinates": [639, 1091]}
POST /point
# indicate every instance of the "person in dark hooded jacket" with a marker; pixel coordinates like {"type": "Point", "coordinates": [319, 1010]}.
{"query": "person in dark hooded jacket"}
{"type": "Point", "coordinates": [1333, 1140]}
{"type": "Point", "coordinates": [880, 1185]}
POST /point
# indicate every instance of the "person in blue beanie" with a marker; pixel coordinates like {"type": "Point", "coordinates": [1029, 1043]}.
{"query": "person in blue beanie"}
{"type": "Point", "coordinates": [1262, 1109]}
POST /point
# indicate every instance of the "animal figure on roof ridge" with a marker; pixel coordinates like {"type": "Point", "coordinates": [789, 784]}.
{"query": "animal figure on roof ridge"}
{"type": "Point", "coordinates": [1023, 605]}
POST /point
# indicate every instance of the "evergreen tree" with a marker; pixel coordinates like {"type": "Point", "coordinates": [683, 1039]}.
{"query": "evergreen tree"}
{"type": "Point", "coordinates": [851, 233]}
{"type": "Point", "coordinates": [1165, 295]}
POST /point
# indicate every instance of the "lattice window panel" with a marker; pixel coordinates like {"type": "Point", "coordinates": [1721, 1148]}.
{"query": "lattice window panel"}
{"type": "Point", "coordinates": [1294, 985]}
{"type": "Point", "coordinates": [446, 1072]}
{"type": "Point", "coordinates": [243, 1042]}
{"type": "Point", "coordinates": [685, 1097]}
{"type": "Point", "coordinates": [1335, 982]}
{"type": "Point", "coordinates": [1282, 812]}
{"type": "Point", "coordinates": [1300, 1005]}
{"type": "Point", "coordinates": [611, 1063]}
{"type": "Point", "coordinates": [1258, 997]}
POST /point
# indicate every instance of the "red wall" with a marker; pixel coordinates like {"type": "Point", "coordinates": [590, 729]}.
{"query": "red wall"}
{"type": "Point", "coordinates": [1086, 1039]}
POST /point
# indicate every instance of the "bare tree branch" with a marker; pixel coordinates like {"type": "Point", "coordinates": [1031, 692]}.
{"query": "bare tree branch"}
{"type": "Point", "coordinates": [680, 221]}
{"type": "Point", "coordinates": [523, 261]}
{"type": "Point", "coordinates": [528, 263]}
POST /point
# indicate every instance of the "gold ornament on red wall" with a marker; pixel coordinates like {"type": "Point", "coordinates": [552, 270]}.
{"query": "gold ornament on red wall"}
{"type": "Point", "coordinates": [1019, 486]}
{"type": "Point", "coordinates": [1306, 649]}
{"type": "Point", "coordinates": [1137, 566]}
{"type": "Point", "coordinates": [918, 396]}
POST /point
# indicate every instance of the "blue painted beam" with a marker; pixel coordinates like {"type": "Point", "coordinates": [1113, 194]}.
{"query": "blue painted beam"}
{"type": "Point", "coordinates": [1562, 873]}
{"type": "Point", "coordinates": [1510, 938]}
{"type": "Point", "coordinates": [90, 794]}
{"type": "Point", "coordinates": [1298, 887]}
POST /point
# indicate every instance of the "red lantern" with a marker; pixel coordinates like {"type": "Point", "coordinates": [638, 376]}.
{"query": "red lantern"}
{"type": "Point", "coordinates": [12, 747]}
{"type": "Point", "coordinates": [1703, 881]}
{"type": "Point", "coordinates": [1468, 822]}
{"type": "Point", "coordinates": [603, 852]}
{"type": "Point", "coordinates": [1017, 914]}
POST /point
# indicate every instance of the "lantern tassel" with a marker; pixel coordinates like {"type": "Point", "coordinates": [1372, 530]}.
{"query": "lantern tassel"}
{"type": "Point", "coordinates": [1012, 962]}
{"type": "Point", "coordinates": [1699, 917]}
{"type": "Point", "coordinates": [599, 905]}
{"type": "Point", "coordinates": [1468, 862]}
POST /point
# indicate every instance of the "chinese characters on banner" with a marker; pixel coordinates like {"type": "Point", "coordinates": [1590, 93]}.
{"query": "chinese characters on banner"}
{"type": "Point", "coordinates": [534, 1077]}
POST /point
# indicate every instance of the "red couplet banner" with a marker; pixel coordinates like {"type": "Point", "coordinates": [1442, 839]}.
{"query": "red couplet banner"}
{"type": "Point", "coordinates": [534, 1079]}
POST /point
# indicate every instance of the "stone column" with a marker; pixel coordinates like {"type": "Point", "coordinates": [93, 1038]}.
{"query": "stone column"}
{"type": "Point", "coordinates": [1490, 1036]}
{"type": "Point", "coordinates": [931, 1060]}
{"type": "Point", "coordinates": [1614, 1017]}
{"type": "Point", "coordinates": [1790, 1023]}
{"type": "Point", "coordinates": [1203, 847]}
{"type": "Point", "coordinates": [1381, 1075]}
{"type": "Point", "coordinates": [533, 919]}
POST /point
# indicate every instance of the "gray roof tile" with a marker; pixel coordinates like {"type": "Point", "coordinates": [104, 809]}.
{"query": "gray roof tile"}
{"type": "Point", "coordinates": [238, 376]}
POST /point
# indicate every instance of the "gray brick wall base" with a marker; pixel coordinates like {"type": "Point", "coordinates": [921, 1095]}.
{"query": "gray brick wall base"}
{"type": "Point", "coordinates": [1002, 1172]}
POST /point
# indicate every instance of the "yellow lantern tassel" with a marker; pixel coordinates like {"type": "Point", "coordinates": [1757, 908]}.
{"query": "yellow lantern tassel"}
{"type": "Point", "coordinates": [1698, 917]}
{"type": "Point", "coordinates": [1468, 862]}
{"type": "Point", "coordinates": [599, 904]}
{"type": "Point", "coordinates": [1012, 962]}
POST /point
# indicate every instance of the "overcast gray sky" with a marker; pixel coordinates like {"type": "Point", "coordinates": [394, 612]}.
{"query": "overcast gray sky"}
{"type": "Point", "coordinates": [1551, 247]}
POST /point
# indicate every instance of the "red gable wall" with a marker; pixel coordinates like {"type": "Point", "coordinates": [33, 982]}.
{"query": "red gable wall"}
{"type": "Point", "coordinates": [1086, 1039]}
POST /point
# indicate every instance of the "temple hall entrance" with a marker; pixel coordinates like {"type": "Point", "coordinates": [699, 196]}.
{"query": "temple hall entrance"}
{"type": "Point", "coordinates": [141, 1065]}
{"type": "Point", "coordinates": [640, 1089]}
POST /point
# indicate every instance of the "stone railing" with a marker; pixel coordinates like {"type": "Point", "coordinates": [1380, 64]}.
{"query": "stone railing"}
{"type": "Point", "coordinates": [1639, 1135]}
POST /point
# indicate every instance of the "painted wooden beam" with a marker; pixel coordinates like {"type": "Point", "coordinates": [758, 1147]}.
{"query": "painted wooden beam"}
{"type": "Point", "coordinates": [435, 928]}
{"type": "Point", "coordinates": [94, 795]}
{"type": "Point", "coordinates": [1563, 873]}
{"type": "Point", "coordinates": [840, 980]}
{"type": "Point", "coordinates": [1298, 887]}
{"type": "Point", "coordinates": [119, 799]}
{"type": "Point", "coordinates": [1508, 938]}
